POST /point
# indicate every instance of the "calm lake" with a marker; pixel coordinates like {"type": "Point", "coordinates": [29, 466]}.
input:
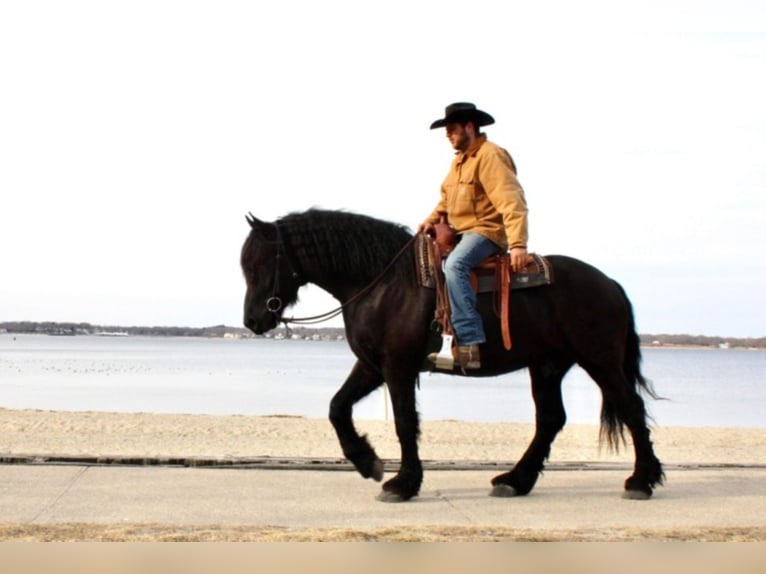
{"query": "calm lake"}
{"type": "Point", "coordinates": [725, 388]}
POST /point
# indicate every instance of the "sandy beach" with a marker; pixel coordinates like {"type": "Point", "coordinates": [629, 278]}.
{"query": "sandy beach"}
{"type": "Point", "coordinates": [84, 435]}
{"type": "Point", "coordinates": [32, 432]}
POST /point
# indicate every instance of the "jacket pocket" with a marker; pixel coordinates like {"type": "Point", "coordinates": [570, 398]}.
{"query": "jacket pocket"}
{"type": "Point", "coordinates": [465, 203]}
{"type": "Point", "coordinates": [465, 199]}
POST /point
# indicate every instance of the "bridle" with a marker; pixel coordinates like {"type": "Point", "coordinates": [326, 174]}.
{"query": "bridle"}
{"type": "Point", "coordinates": [274, 303]}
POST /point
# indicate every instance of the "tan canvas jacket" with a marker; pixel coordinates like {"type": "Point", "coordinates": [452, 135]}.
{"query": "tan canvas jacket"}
{"type": "Point", "coordinates": [482, 195]}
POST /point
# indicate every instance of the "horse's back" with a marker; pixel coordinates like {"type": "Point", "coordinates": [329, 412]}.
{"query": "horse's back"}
{"type": "Point", "coordinates": [581, 303]}
{"type": "Point", "coordinates": [588, 304]}
{"type": "Point", "coordinates": [575, 277]}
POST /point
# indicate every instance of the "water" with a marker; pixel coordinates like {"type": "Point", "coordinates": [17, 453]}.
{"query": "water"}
{"type": "Point", "coordinates": [265, 377]}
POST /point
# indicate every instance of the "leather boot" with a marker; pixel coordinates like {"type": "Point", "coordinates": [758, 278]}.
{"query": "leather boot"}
{"type": "Point", "coordinates": [468, 357]}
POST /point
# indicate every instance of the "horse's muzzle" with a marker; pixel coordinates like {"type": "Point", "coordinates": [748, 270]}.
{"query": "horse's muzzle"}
{"type": "Point", "coordinates": [262, 324]}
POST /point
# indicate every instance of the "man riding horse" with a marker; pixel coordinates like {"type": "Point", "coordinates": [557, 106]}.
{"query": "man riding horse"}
{"type": "Point", "coordinates": [484, 203]}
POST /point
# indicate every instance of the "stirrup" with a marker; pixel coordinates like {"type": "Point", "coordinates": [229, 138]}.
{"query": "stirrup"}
{"type": "Point", "coordinates": [444, 358]}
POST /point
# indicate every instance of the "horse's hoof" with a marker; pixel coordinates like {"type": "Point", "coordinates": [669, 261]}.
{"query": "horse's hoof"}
{"type": "Point", "coordinates": [636, 495]}
{"type": "Point", "coordinates": [386, 496]}
{"type": "Point", "coordinates": [377, 470]}
{"type": "Point", "coordinates": [503, 491]}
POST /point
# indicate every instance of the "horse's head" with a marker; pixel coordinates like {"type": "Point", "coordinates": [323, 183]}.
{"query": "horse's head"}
{"type": "Point", "coordinates": [272, 281]}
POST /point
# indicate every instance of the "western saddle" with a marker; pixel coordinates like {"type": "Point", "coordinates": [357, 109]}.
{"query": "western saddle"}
{"type": "Point", "coordinates": [492, 275]}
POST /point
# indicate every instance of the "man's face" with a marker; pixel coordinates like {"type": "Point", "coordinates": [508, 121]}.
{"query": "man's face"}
{"type": "Point", "coordinates": [458, 136]}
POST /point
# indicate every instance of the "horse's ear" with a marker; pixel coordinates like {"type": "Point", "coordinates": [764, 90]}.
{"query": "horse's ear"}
{"type": "Point", "coordinates": [253, 220]}
{"type": "Point", "coordinates": [263, 229]}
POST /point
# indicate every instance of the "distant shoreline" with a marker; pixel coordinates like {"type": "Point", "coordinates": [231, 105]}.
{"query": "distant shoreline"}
{"type": "Point", "coordinates": [682, 347]}
{"type": "Point", "coordinates": [320, 338]}
{"type": "Point", "coordinates": [661, 341]}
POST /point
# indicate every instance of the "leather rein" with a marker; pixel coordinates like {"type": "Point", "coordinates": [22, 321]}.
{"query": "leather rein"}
{"type": "Point", "coordinates": [274, 303]}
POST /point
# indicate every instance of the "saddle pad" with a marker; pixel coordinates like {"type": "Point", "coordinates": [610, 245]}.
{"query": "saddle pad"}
{"type": "Point", "coordinates": [538, 272]}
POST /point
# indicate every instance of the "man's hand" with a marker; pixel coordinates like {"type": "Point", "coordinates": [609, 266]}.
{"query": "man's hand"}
{"type": "Point", "coordinates": [426, 227]}
{"type": "Point", "coordinates": [518, 258]}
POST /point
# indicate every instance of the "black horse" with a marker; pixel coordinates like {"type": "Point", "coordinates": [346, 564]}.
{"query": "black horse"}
{"type": "Point", "coordinates": [584, 317]}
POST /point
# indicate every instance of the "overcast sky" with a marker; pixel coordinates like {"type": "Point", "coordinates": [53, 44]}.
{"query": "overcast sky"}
{"type": "Point", "coordinates": [135, 136]}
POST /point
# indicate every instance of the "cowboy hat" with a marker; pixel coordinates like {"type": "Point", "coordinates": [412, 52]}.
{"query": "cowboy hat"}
{"type": "Point", "coordinates": [462, 112]}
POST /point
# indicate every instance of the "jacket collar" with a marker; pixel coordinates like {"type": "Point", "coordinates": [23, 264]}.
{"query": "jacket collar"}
{"type": "Point", "coordinates": [474, 147]}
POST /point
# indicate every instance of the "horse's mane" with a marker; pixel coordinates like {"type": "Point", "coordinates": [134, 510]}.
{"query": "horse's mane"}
{"type": "Point", "coordinates": [348, 244]}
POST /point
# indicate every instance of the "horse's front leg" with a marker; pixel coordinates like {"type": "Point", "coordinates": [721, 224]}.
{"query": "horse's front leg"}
{"type": "Point", "coordinates": [407, 481]}
{"type": "Point", "coordinates": [361, 382]}
{"type": "Point", "coordinates": [550, 418]}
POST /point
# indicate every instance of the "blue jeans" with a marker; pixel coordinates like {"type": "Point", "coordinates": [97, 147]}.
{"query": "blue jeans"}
{"type": "Point", "coordinates": [471, 250]}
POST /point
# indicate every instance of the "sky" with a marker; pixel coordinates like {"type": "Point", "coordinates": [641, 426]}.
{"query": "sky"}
{"type": "Point", "coordinates": [135, 136]}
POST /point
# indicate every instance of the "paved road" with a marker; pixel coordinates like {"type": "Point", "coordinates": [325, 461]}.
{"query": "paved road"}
{"type": "Point", "coordinates": [45, 494]}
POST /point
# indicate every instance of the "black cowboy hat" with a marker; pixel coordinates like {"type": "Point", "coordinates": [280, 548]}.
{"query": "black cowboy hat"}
{"type": "Point", "coordinates": [462, 112]}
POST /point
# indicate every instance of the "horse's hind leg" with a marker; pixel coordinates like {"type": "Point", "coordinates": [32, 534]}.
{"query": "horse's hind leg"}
{"type": "Point", "coordinates": [647, 472]}
{"type": "Point", "coordinates": [361, 381]}
{"type": "Point", "coordinates": [549, 420]}
{"type": "Point", "coordinates": [623, 406]}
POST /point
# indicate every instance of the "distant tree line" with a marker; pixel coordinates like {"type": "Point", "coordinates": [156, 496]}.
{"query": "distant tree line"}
{"type": "Point", "coordinates": [54, 328]}
{"type": "Point", "coordinates": [704, 341]}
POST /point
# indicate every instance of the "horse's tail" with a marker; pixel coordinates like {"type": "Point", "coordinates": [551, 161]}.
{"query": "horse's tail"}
{"type": "Point", "coordinates": [612, 424]}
